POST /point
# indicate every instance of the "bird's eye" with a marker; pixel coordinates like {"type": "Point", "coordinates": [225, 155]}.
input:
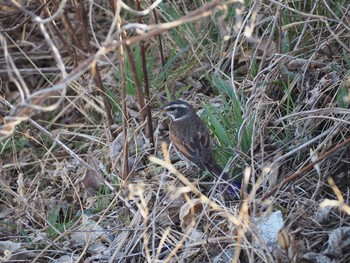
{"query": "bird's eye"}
{"type": "Point", "coordinates": [171, 109]}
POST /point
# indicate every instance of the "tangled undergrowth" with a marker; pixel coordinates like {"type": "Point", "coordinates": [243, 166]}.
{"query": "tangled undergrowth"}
{"type": "Point", "coordinates": [87, 173]}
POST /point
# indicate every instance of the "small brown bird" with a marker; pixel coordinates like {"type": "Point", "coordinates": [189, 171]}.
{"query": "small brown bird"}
{"type": "Point", "coordinates": [191, 137]}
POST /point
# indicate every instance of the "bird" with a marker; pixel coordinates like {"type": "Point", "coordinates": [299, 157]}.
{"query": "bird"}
{"type": "Point", "coordinates": [191, 137]}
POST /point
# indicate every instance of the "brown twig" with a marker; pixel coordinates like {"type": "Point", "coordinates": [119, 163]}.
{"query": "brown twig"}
{"type": "Point", "coordinates": [125, 169]}
{"type": "Point", "coordinates": [149, 132]}
{"type": "Point", "coordinates": [145, 110]}
{"type": "Point", "coordinates": [136, 79]}
{"type": "Point", "coordinates": [280, 32]}
{"type": "Point", "coordinates": [23, 20]}
{"type": "Point", "coordinates": [69, 28]}
{"type": "Point", "coordinates": [268, 44]}
{"type": "Point", "coordinates": [306, 168]}
{"type": "Point", "coordinates": [159, 37]}
{"type": "Point", "coordinates": [201, 12]}
{"type": "Point", "coordinates": [65, 43]}
{"type": "Point", "coordinates": [95, 73]}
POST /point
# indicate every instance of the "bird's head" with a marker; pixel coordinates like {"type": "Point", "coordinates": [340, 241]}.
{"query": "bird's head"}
{"type": "Point", "coordinates": [178, 110]}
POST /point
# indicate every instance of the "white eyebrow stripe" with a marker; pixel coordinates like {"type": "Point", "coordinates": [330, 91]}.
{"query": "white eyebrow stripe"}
{"type": "Point", "coordinates": [176, 105]}
{"type": "Point", "coordinates": [179, 118]}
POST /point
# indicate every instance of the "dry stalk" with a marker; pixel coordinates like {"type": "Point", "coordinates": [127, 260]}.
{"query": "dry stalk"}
{"type": "Point", "coordinates": [306, 168]}
{"type": "Point", "coordinates": [149, 132]}
{"type": "Point", "coordinates": [95, 72]}
{"type": "Point", "coordinates": [125, 170]}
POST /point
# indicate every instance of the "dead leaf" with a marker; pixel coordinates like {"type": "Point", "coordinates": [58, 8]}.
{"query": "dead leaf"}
{"type": "Point", "coordinates": [188, 212]}
{"type": "Point", "coordinates": [283, 239]}
{"type": "Point", "coordinates": [318, 258]}
{"type": "Point", "coordinates": [91, 179]}
{"type": "Point", "coordinates": [338, 242]}
{"type": "Point", "coordinates": [88, 232]}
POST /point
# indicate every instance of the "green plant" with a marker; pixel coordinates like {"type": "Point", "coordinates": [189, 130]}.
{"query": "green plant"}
{"type": "Point", "coordinates": [227, 123]}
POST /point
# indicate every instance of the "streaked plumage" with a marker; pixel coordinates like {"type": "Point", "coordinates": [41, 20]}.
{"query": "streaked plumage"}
{"type": "Point", "coordinates": [191, 137]}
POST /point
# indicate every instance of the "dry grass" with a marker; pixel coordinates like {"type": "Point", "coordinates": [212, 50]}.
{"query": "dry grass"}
{"type": "Point", "coordinates": [78, 178]}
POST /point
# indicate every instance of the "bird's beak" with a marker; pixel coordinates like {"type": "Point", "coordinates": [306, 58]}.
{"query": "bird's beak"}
{"type": "Point", "coordinates": [161, 109]}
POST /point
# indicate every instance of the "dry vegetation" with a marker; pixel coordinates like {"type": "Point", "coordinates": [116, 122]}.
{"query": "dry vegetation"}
{"type": "Point", "coordinates": [84, 176]}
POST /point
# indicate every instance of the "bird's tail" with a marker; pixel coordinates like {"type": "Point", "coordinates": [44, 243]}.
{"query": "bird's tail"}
{"type": "Point", "coordinates": [216, 170]}
{"type": "Point", "coordinates": [233, 189]}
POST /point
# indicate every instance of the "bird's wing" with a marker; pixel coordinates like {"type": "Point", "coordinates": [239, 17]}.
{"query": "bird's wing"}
{"type": "Point", "coordinates": [205, 146]}
{"type": "Point", "coordinates": [196, 149]}
{"type": "Point", "coordinates": [187, 149]}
